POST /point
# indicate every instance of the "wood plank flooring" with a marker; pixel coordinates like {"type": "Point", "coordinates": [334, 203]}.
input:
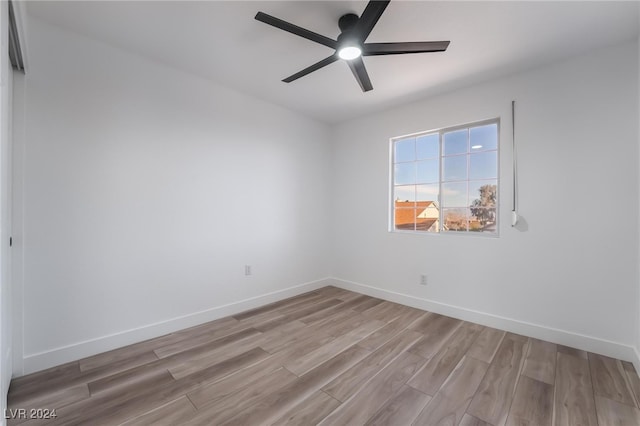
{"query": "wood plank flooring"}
{"type": "Point", "coordinates": [334, 357]}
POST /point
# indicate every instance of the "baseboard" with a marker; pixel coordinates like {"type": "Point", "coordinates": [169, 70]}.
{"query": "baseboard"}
{"type": "Point", "coordinates": [6, 380]}
{"type": "Point", "coordinates": [636, 360]}
{"type": "Point", "coordinates": [51, 358]}
{"type": "Point", "coordinates": [61, 355]}
{"type": "Point", "coordinates": [563, 337]}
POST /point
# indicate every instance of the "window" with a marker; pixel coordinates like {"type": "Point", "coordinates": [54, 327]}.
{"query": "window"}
{"type": "Point", "coordinates": [446, 181]}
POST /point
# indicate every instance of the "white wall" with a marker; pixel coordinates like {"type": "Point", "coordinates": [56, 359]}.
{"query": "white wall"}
{"type": "Point", "coordinates": [570, 273]}
{"type": "Point", "coordinates": [146, 190]}
{"type": "Point", "coordinates": [638, 263]}
{"type": "Point", "coordinates": [6, 84]}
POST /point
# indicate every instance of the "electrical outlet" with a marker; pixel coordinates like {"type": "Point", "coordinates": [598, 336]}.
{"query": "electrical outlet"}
{"type": "Point", "coordinates": [247, 270]}
{"type": "Point", "coordinates": [423, 279]}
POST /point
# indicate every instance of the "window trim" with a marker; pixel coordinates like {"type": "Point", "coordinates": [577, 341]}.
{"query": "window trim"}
{"type": "Point", "coordinates": [440, 131]}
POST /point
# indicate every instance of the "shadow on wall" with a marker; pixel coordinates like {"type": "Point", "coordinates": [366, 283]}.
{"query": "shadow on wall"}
{"type": "Point", "coordinates": [522, 225]}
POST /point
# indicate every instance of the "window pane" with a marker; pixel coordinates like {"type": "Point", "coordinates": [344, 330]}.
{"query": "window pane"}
{"type": "Point", "coordinates": [428, 146]}
{"type": "Point", "coordinates": [455, 219]}
{"type": "Point", "coordinates": [405, 150]}
{"type": "Point", "coordinates": [483, 193]}
{"type": "Point", "coordinates": [405, 219]}
{"type": "Point", "coordinates": [428, 171]}
{"type": "Point", "coordinates": [447, 181]}
{"type": "Point", "coordinates": [456, 142]}
{"type": "Point", "coordinates": [405, 193]}
{"type": "Point", "coordinates": [454, 168]}
{"type": "Point", "coordinates": [483, 165]}
{"type": "Point", "coordinates": [482, 219]}
{"type": "Point", "coordinates": [484, 137]}
{"type": "Point", "coordinates": [454, 194]}
{"type": "Point", "coordinates": [427, 192]}
{"type": "Point", "coordinates": [405, 173]}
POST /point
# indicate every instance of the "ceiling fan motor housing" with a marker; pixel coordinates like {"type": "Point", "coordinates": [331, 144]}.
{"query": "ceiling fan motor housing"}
{"type": "Point", "coordinates": [347, 22]}
{"type": "Point", "coordinates": [347, 37]}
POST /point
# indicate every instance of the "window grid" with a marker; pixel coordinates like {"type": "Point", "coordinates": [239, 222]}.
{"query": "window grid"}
{"type": "Point", "coordinates": [478, 215]}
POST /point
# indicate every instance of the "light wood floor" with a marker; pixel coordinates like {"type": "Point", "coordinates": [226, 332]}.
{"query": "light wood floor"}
{"type": "Point", "coordinates": [334, 357]}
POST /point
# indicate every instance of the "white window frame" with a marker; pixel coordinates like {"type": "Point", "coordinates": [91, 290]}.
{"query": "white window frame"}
{"type": "Point", "coordinates": [440, 132]}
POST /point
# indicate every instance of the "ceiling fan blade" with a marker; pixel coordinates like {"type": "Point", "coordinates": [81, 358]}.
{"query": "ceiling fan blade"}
{"type": "Point", "coordinates": [372, 49]}
{"type": "Point", "coordinates": [360, 73]}
{"type": "Point", "coordinates": [294, 29]}
{"type": "Point", "coordinates": [323, 63]}
{"type": "Point", "coordinates": [369, 18]}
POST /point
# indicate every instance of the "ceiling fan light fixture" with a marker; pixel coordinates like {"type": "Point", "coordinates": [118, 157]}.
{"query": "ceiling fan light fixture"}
{"type": "Point", "coordinates": [349, 52]}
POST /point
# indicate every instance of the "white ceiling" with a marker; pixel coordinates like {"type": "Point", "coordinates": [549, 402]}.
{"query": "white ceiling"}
{"type": "Point", "coordinates": [221, 41]}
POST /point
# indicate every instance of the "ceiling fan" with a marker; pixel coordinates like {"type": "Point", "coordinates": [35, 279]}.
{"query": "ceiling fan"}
{"type": "Point", "coordinates": [350, 45]}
